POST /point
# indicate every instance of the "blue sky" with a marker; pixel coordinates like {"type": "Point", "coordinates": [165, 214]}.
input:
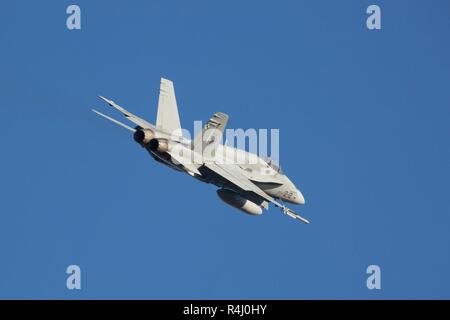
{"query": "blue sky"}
{"type": "Point", "coordinates": [364, 129]}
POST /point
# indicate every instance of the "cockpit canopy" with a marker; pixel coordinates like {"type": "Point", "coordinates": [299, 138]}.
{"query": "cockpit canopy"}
{"type": "Point", "coordinates": [274, 165]}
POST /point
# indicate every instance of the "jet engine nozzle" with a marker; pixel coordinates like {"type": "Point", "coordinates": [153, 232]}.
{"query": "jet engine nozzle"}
{"type": "Point", "coordinates": [235, 200]}
{"type": "Point", "coordinates": [143, 136]}
{"type": "Point", "coordinates": [160, 145]}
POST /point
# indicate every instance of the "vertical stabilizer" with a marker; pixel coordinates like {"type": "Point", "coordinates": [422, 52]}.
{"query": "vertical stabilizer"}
{"type": "Point", "coordinates": [207, 141]}
{"type": "Point", "coordinates": [167, 118]}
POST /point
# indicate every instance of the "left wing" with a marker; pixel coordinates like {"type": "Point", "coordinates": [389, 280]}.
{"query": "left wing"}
{"type": "Point", "coordinates": [237, 178]}
{"type": "Point", "coordinates": [114, 120]}
{"type": "Point", "coordinates": [133, 118]}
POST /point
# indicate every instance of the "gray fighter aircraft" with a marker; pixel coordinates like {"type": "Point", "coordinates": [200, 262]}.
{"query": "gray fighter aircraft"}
{"type": "Point", "coordinates": [246, 181]}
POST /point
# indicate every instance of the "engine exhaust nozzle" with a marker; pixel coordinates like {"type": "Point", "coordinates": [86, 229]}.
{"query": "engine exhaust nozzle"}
{"type": "Point", "coordinates": [143, 136]}
{"type": "Point", "coordinates": [160, 145]}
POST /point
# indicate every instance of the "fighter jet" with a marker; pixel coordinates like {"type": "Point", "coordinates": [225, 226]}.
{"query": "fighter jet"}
{"type": "Point", "coordinates": [246, 181]}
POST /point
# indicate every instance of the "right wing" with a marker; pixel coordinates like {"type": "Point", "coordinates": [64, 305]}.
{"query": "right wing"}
{"type": "Point", "coordinates": [238, 179]}
{"type": "Point", "coordinates": [140, 122]}
{"type": "Point", "coordinates": [241, 181]}
{"type": "Point", "coordinates": [178, 155]}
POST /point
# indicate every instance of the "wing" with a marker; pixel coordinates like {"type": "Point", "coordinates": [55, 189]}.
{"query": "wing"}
{"type": "Point", "coordinates": [114, 120]}
{"type": "Point", "coordinates": [238, 179]}
{"type": "Point", "coordinates": [140, 122]}
{"type": "Point", "coordinates": [186, 162]}
{"type": "Point", "coordinates": [234, 176]}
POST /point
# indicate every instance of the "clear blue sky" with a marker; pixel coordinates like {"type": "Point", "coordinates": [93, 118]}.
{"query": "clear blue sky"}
{"type": "Point", "coordinates": [364, 120]}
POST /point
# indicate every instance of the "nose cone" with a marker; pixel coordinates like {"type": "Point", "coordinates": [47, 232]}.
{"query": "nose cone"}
{"type": "Point", "coordinates": [299, 199]}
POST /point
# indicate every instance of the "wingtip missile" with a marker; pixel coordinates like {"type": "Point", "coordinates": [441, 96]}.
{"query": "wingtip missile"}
{"type": "Point", "coordinates": [303, 219]}
{"type": "Point", "coordinates": [106, 100]}
{"type": "Point", "coordinates": [294, 215]}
